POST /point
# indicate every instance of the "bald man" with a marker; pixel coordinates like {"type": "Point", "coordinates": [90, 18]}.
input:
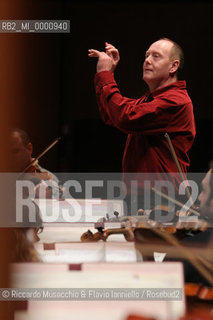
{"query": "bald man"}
{"type": "Point", "coordinates": [165, 108]}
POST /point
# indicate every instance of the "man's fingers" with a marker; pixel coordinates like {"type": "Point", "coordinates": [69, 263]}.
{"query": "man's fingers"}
{"type": "Point", "coordinates": [94, 53]}
{"type": "Point", "coordinates": [108, 45]}
{"type": "Point", "coordinates": [114, 54]}
{"type": "Point", "coordinates": [109, 48]}
{"type": "Point", "coordinates": [112, 51]}
{"type": "Point", "coordinates": [109, 53]}
{"type": "Point", "coordinates": [106, 61]}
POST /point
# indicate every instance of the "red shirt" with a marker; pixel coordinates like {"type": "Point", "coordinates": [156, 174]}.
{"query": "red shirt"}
{"type": "Point", "coordinates": [146, 120]}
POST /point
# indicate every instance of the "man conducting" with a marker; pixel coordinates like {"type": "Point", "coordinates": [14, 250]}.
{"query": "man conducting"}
{"type": "Point", "coordinates": [165, 108]}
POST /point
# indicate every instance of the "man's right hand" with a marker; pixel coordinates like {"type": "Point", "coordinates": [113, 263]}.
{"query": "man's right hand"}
{"type": "Point", "coordinates": [112, 53]}
{"type": "Point", "coordinates": [107, 61]}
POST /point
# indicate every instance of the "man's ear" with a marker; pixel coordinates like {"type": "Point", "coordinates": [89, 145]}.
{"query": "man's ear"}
{"type": "Point", "coordinates": [30, 148]}
{"type": "Point", "coordinates": [175, 66]}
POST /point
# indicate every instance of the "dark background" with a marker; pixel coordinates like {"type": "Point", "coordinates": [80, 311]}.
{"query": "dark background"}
{"type": "Point", "coordinates": [55, 95]}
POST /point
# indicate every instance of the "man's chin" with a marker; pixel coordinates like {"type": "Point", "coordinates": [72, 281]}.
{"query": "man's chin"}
{"type": "Point", "coordinates": [147, 79]}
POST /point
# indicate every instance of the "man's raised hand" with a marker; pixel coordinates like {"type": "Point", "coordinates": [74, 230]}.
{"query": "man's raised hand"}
{"type": "Point", "coordinates": [107, 61]}
{"type": "Point", "coordinates": [112, 53]}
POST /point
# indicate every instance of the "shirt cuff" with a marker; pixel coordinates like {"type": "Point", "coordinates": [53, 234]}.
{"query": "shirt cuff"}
{"type": "Point", "coordinates": [103, 78]}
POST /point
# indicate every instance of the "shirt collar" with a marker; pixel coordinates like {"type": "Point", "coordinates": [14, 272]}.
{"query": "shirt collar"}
{"type": "Point", "coordinates": [181, 84]}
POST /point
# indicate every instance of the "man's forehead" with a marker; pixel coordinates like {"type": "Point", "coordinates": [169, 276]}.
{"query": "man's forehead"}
{"type": "Point", "coordinates": [161, 45]}
{"type": "Point", "coordinates": [15, 135]}
{"type": "Point", "coordinates": [16, 138]}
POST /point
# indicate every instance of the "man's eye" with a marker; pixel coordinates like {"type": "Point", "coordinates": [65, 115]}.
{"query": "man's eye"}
{"type": "Point", "coordinates": [156, 55]}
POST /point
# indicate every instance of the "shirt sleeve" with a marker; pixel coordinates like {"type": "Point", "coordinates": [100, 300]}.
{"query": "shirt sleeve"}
{"type": "Point", "coordinates": [164, 113]}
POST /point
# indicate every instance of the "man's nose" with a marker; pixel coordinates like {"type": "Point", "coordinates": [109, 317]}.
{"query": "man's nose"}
{"type": "Point", "coordinates": [147, 60]}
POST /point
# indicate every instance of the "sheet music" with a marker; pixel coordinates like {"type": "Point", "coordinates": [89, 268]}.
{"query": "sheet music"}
{"type": "Point", "coordinates": [77, 210]}
{"type": "Point", "coordinates": [90, 252]}
{"type": "Point", "coordinates": [149, 275]}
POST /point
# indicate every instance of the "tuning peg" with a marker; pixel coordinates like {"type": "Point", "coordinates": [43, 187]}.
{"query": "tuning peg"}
{"type": "Point", "coordinates": [116, 213]}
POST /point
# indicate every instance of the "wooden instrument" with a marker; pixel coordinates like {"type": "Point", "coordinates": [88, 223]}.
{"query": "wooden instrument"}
{"type": "Point", "coordinates": [35, 161]}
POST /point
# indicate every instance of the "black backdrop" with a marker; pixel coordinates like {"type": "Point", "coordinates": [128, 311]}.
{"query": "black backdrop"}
{"type": "Point", "coordinates": [56, 92]}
